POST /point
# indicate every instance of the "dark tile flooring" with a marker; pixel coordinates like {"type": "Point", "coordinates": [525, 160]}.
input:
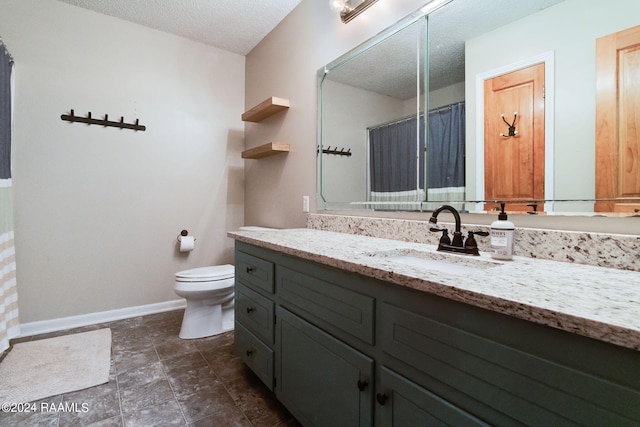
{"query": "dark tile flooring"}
{"type": "Point", "coordinates": [158, 379]}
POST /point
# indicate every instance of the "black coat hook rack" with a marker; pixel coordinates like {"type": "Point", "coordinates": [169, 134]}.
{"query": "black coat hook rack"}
{"type": "Point", "coordinates": [103, 122]}
{"type": "Point", "coordinates": [335, 151]}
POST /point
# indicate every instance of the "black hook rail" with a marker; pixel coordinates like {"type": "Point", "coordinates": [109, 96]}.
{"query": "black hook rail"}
{"type": "Point", "coordinates": [103, 122]}
{"type": "Point", "coordinates": [335, 151]}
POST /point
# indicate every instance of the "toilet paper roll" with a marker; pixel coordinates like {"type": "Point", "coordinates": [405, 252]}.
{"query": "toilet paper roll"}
{"type": "Point", "coordinates": [187, 243]}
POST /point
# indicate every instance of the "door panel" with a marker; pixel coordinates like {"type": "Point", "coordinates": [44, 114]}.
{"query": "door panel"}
{"type": "Point", "coordinates": [408, 404]}
{"type": "Point", "coordinates": [618, 121]}
{"type": "Point", "coordinates": [321, 380]}
{"type": "Point", "coordinates": [514, 164]}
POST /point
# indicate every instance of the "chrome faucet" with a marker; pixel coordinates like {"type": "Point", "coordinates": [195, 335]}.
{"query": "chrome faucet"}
{"type": "Point", "coordinates": [456, 245]}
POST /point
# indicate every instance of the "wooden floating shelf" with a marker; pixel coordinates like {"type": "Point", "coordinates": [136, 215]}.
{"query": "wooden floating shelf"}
{"type": "Point", "coordinates": [266, 150]}
{"type": "Point", "coordinates": [265, 109]}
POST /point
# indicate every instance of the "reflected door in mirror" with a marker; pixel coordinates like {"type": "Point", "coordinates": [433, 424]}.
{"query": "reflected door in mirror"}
{"type": "Point", "coordinates": [514, 138]}
{"type": "Point", "coordinates": [618, 121]}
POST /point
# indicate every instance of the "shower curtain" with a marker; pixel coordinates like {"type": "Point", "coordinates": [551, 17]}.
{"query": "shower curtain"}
{"type": "Point", "coordinates": [396, 161]}
{"type": "Point", "coordinates": [446, 150]}
{"type": "Point", "coordinates": [9, 325]}
{"type": "Point", "coordinates": [396, 165]}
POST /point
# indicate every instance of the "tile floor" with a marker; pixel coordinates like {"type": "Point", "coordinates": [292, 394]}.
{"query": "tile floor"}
{"type": "Point", "coordinates": [159, 380]}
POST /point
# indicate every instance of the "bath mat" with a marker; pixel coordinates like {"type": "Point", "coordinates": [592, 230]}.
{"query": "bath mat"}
{"type": "Point", "coordinates": [34, 370]}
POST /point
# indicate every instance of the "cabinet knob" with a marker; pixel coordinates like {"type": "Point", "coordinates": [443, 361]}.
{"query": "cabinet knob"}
{"type": "Point", "coordinates": [249, 353]}
{"type": "Point", "coordinates": [250, 310]}
{"type": "Point", "coordinates": [362, 385]}
{"type": "Point", "coordinates": [382, 398]}
{"type": "Point", "coordinates": [250, 270]}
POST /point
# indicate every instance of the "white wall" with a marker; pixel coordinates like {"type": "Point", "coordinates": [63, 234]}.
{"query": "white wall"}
{"type": "Point", "coordinates": [98, 209]}
{"type": "Point", "coordinates": [344, 179]}
{"type": "Point", "coordinates": [285, 64]}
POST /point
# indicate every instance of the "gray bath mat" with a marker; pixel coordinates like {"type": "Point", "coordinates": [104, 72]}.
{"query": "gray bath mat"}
{"type": "Point", "coordinates": [37, 369]}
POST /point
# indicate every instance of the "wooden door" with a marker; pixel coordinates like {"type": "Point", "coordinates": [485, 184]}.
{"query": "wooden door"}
{"type": "Point", "coordinates": [618, 121]}
{"type": "Point", "coordinates": [514, 165]}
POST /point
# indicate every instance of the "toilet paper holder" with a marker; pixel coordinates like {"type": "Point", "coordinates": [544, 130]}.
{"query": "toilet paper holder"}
{"type": "Point", "coordinates": [184, 233]}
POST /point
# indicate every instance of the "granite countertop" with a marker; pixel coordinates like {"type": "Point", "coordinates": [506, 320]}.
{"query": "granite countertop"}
{"type": "Point", "coordinates": [600, 303]}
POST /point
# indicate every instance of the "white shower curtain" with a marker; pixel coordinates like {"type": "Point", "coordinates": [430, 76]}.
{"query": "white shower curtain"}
{"type": "Point", "coordinates": [9, 325]}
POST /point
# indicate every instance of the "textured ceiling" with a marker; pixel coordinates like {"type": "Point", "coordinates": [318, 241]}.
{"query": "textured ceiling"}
{"type": "Point", "coordinates": [394, 59]}
{"type": "Point", "coordinates": [233, 25]}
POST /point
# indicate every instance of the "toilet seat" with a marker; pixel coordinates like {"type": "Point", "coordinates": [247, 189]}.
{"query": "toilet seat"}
{"type": "Point", "coordinates": [206, 274]}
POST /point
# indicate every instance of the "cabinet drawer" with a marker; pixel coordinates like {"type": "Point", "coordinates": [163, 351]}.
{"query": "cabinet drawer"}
{"type": "Point", "coordinates": [255, 312]}
{"type": "Point", "coordinates": [255, 354]}
{"type": "Point", "coordinates": [404, 403]}
{"type": "Point", "coordinates": [342, 308]}
{"type": "Point", "coordinates": [254, 272]}
{"type": "Point", "coordinates": [501, 378]}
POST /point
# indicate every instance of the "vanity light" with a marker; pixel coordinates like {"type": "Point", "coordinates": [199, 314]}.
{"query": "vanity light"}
{"type": "Point", "coordinates": [349, 9]}
{"type": "Point", "coordinates": [433, 5]}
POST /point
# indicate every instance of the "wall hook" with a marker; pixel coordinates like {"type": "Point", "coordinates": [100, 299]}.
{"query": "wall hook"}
{"type": "Point", "coordinates": [512, 126]}
{"type": "Point", "coordinates": [335, 151]}
{"type": "Point", "coordinates": [103, 122]}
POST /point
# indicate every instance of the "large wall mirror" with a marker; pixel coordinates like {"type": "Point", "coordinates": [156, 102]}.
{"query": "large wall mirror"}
{"type": "Point", "coordinates": [478, 102]}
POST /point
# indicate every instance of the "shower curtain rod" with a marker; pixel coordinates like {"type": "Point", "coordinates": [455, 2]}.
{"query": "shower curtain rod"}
{"type": "Point", "coordinates": [406, 118]}
{"type": "Point", "coordinates": [445, 107]}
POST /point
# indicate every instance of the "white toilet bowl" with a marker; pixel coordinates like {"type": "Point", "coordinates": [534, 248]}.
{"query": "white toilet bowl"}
{"type": "Point", "coordinates": [209, 294]}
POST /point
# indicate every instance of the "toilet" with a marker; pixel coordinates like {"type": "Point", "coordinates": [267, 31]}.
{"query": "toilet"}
{"type": "Point", "coordinates": [209, 292]}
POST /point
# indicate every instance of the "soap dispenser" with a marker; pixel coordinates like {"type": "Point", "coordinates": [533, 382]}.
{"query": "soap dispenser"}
{"type": "Point", "coordinates": [502, 236]}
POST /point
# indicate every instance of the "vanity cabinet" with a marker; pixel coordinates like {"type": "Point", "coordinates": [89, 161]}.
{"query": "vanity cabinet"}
{"type": "Point", "coordinates": [254, 312]}
{"type": "Point", "coordinates": [404, 403]}
{"type": "Point", "coordinates": [338, 348]}
{"type": "Point", "coordinates": [323, 381]}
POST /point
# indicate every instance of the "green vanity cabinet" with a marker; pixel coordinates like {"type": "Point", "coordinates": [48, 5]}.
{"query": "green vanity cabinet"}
{"type": "Point", "coordinates": [508, 371]}
{"type": "Point", "coordinates": [339, 348]}
{"type": "Point", "coordinates": [255, 315]}
{"type": "Point", "coordinates": [321, 380]}
{"type": "Point", "coordinates": [403, 403]}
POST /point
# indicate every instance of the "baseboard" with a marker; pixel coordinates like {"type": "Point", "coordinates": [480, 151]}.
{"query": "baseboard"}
{"type": "Point", "coordinates": [63, 323]}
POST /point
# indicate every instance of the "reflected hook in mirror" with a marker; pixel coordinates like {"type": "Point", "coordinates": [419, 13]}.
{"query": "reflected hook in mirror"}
{"type": "Point", "coordinates": [512, 126]}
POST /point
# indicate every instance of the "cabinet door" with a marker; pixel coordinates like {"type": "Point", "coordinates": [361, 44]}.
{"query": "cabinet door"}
{"type": "Point", "coordinates": [404, 403]}
{"type": "Point", "coordinates": [321, 380]}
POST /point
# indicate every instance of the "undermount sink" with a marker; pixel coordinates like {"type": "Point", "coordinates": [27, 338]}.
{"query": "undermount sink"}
{"type": "Point", "coordinates": [437, 261]}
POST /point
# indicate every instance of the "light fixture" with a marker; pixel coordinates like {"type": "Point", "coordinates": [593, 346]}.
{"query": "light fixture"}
{"type": "Point", "coordinates": [349, 9]}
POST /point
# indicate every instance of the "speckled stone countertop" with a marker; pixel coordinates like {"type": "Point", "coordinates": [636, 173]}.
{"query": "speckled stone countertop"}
{"type": "Point", "coordinates": [597, 302]}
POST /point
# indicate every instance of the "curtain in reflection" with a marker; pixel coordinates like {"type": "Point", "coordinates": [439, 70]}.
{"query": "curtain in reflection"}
{"type": "Point", "coordinates": [446, 155]}
{"type": "Point", "coordinates": [396, 162]}
{"type": "Point", "coordinates": [396, 165]}
{"type": "Point", "coordinates": [9, 326]}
